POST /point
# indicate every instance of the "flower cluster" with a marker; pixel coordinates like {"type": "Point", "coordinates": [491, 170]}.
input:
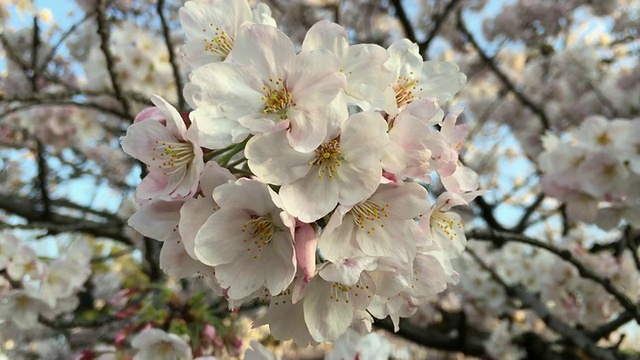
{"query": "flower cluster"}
{"type": "Point", "coordinates": [33, 287]}
{"type": "Point", "coordinates": [299, 176]}
{"type": "Point", "coordinates": [598, 175]}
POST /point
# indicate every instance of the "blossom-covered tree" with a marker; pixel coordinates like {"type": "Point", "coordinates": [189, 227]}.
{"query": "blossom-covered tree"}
{"type": "Point", "coordinates": [211, 179]}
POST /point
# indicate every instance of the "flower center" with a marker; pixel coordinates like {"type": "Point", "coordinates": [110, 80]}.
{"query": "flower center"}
{"type": "Point", "coordinates": [447, 225]}
{"type": "Point", "coordinates": [221, 43]}
{"type": "Point", "coordinates": [259, 231]}
{"type": "Point", "coordinates": [372, 211]}
{"type": "Point", "coordinates": [172, 157]}
{"type": "Point", "coordinates": [277, 99]}
{"type": "Point", "coordinates": [340, 292]}
{"type": "Point", "coordinates": [403, 90]}
{"type": "Point", "coordinates": [327, 158]}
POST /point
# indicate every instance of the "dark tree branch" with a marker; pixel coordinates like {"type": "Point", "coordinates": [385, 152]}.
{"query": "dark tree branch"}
{"type": "Point", "coordinates": [437, 23]}
{"type": "Point", "coordinates": [172, 54]}
{"type": "Point", "coordinates": [35, 46]}
{"type": "Point", "coordinates": [486, 212]}
{"type": "Point", "coordinates": [529, 211]}
{"type": "Point", "coordinates": [43, 181]}
{"type": "Point", "coordinates": [404, 20]}
{"type": "Point", "coordinates": [570, 334]}
{"type": "Point", "coordinates": [64, 36]}
{"type": "Point", "coordinates": [524, 99]}
{"type": "Point", "coordinates": [501, 238]}
{"type": "Point", "coordinates": [59, 223]}
{"type": "Point", "coordinates": [466, 339]}
{"type": "Point", "coordinates": [104, 33]}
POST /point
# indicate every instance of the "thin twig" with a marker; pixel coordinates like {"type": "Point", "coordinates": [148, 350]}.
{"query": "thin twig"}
{"type": "Point", "coordinates": [524, 99]}
{"type": "Point", "coordinates": [502, 237]}
{"type": "Point", "coordinates": [172, 55]}
{"type": "Point", "coordinates": [572, 335]}
{"type": "Point", "coordinates": [103, 31]}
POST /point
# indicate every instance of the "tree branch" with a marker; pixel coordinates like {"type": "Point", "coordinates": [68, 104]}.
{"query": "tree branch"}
{"type": "Point", "coordinates": [501, 237]}
{"type": "Point", "coordinates": [172, 56]}
{"type": "Point", "coordinates": [103, 31]}
{"type": "Point", "coordinates": [524, 99]}
{"type": "Point", "coordinates": [572, 335]}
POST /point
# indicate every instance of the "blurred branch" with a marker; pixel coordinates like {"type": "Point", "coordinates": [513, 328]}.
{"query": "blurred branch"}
{"type": "Point", "coordinates": [43, 183]}
{"type": "Point", "coordinates": [438, 20]}
{"type": "Point", "coordinates": [103, 32]}
{"type": "Point", "coordinates": [613, 325]}
{"type": "Point", "coordinates": [172, 55]}
{"type": "Point", "coordinates": [64, 36]}
{"type": "Point", "coordinates": [572, 335]}
{"type": "Point", "coordinates": [35, 47]}
{"type": "Point", "coordinates": [452, 334]}
{"type": "Point", "coordinates": [501, 238]}
{"type": "Point", "coordinates": [528, 212]}
{"type": "Point", "coordinates": [59, 223]}
{"type": "Point", "coordinates": [486, 212]}
{"type": "Point", "coordinates": [404, 20]}
{"type": "Point", "coordinates": [524, 99]}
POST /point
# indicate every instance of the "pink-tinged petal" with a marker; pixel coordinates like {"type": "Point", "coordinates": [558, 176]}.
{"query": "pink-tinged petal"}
{"type": "Point", "coordinates": [282, 263]}
{"type": "Point", "coordinates": [215, 130]}
{"type": "Point", "coordinates": [310, 198]}
{"type": "Point", "coordinates": [152, 186]}
{"type": "Point", "coordinates": [306, 244]}
{"type": "Point", "coordinates": [396, 239]}
{"type": "Point", "coordinates": [360, 62]}
{"type": "Point", "coordinates": [326, 318]}
{"type": "Point", "coordinates": [404, 58]}
{"type": "Point", "coordinates": [175, 124]}
{"type": "Point", "coordinates": [220, 239]}
{"type": "Point", "coordinates": [313, 79]}
{"type": "Point", "coordinates": [406, 200]}
{"type": "Point", "coordinates": [158, 220]}
{"type": "Point", "coordinates": [272, 160]}
{"type": "Point", "coordinates": [340, 243]}
{"type": "Point", "coordinates": [336, 219]}
{"type": "Point", "coordinates": [242, 280]}
{"type": "Point", "coordinates": [357, 184]}
{"type": "Point", "coordinates": [462, 180]}
{"type": "Point", "coordinates": [308, 130]}
{"type": "Point", "coordinates": [246, 195]}
{"type": "Point", "coordinates": [235, 89]}
{"type": "Point", "coordinates": [263, 47]}
{"type": "Point", "coordinates": [214, 175]}
{"type": "Point", "coordinates": [151, 113]}
{"type": "Point", "coordinates": [363, 139]}
{"type": "Point", "coordinates": [326, 35]}
{"type": "Point", "coordinates": [442, 80]}
{"type": "Point", "coordinates": [176, 262]}
{"type": "Point", "coordinates": [286, 320]}
{"type": "Point", "coordinates": [193, 214]}
{"type": "Point", "coordinates": [426, 111]}
{"type": "Point", "coordinates": [141, 139]}
{"type": "Point", "coordinates": [348, 271]}
{"type": "Point", "coordinates": [259, 123]}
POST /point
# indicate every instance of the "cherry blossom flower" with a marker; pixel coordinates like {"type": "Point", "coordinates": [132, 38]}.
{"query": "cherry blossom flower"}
{"type": "Point", "coordinates": [155, 344]}
{"type": "Point", "coordinates": [415, 79]}
{"type": "Point", "coordinates": [211, 27]}
{"type": "Point", "coordinates": [345, 169]}
{"type": "Point", "coordinates": [264, 87]}
{"type": "Point", "coordinates": [382, 225]}
{"type": "Point", "coordinates": [357, 63]}
{"type": "Point", "coordinates": [247, 236]}
{"type": "Point", "coordinates": [160, 139]}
